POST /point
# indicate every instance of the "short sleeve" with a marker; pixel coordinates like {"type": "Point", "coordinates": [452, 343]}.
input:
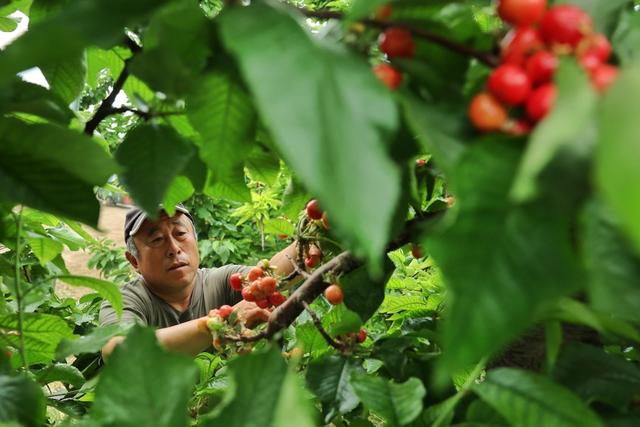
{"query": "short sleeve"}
{"type": "Point", "coordinates": [133, 310]}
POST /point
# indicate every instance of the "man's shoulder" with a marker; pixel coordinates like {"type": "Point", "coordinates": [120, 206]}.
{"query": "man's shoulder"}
{"type": "Point", "coordinates": [134, 288]}
{"type": "Point", "coordinates": [209, 275]}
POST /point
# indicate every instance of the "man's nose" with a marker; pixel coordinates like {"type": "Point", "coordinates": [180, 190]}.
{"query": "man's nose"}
{"type": "Point", "coordinates": [173, 247]}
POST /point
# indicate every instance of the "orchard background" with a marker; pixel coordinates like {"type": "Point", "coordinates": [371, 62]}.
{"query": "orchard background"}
{"type": "Point", "coordinates": [522, 309]}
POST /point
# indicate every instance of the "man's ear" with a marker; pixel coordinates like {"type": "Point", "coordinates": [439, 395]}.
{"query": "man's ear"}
{"type": "Point", "coordinates": [132, 260]}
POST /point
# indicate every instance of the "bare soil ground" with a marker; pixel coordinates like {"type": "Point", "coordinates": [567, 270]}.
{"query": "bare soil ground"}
{"type": "Point", "coordinates": [111, 224]}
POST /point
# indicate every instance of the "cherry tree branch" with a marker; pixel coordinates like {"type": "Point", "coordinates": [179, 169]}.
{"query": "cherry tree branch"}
{"type": "Point", "coordinates": [106, 106]}
{"type": "Point", "coordinates": [484, 57]}
{"type": "Point", "coordinates": [314, 283]}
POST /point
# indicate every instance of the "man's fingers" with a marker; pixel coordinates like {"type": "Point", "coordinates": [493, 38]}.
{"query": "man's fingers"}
{"type": "Point", "coordinates": [255, 316]}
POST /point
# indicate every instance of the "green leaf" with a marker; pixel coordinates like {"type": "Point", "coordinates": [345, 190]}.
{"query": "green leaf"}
{"type": "Point", "coordinates": [91, 343]}
{"type": "Point", "coordinates": [64, 35]}
{"type": "Point", "coordinates": [7, 24]}
{"type": "Point", "coordinates": [491, 254]}
{"type": "Point", "coordinates": [362, 8]}
{"type": "Point", "coordinates": [67, 78]}
{"type": "Point", "coordinates": [67, 374]}
{"type": "Point", "coordinates": [144, 384]}
{"type": "Point", "coordinates": [153, 155]}
{"type": "Point", "coordinates": [328, 378]}
{"type": "Point", "coordinates": [22, 400]}
{"type": "Point", "coordinates": [175, 48]}
{"type": "Point", "coordinates": [278, 226]}
{"type": "Point", "coordinates": [263, 165]}
{"type": "Point", "coordinates": [440, 130]}
{"type": "Point", "coordinates": [42, 333]}
{"type": "Point", "coordinates": [52, 169]}
{"type": "Point", "coordinates": [614, 269]}
{"type": "Point", "coordinates": [626, 37]}
{"type": "Point", "coordinates": [23, 97]}
{"type": "Point", "coordinates": [568, 130]}
{"type": "Point", "coordinates": [572, 311]}
{"type": "Point", "coordinates": [106, 289]}
{"type": "Point", "coordinates": [527, 399]}
{"type": "Point", "coordinates": [363, 294]}
{"type": "Point", "coordinates": [45, 249]}
{"type": "Point", "coordinates": [595, 375]}
{"type": "Point", "coordinates": [396, 403]}
{"type": "Point", "coordinates": [340, 320]}
{"type": "Point", "coordinates": [222, 112]}
{"type": "Point", "coordinates": [179, 191]}
{"type": "Point", "coordinates": [605, 13]}
{"type": "Point", "coordinates": [308, 337]}
{"type": "Point", "coordinates": [617, 147]}
{"type": "Point", "coordinates": [312, 114]}
{"type": "Point", "coordinates": [230, 187]}
{"type": "Point", "coordinates": [278, 402]}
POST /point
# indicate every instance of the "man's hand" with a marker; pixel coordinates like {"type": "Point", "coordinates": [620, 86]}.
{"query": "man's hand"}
{"type": "Point", "coordinates": [250, 314]}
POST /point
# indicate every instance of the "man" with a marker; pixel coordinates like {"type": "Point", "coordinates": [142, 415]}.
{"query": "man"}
{"type": "Point", "coordinates": [172, 292]}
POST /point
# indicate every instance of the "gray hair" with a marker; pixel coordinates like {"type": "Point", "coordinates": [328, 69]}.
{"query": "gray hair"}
{"type": "Point", "coordinates": [133, 249]}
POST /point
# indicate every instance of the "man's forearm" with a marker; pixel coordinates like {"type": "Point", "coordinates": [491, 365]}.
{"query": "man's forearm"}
{"type": "Point", "coordinates": [184, 338]}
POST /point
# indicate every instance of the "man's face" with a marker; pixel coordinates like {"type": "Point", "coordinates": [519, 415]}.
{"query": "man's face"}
{"type": "Point", "coordinates": [168, 253]}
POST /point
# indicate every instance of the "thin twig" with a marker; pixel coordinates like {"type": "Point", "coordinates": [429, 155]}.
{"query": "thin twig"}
{"type": "Point", "coordinates": [323, 332]}
{"type": "Point", "coordinates": [107, 104]}
{"type": "Point", "coordinates": [20, 313]}
{"type": "Point", "coordinates": [484, 57]}
{"type": "Point", "coordinates": [296, 268]}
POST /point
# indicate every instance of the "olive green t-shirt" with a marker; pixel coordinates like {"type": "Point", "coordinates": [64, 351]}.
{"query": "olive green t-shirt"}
{"type": "Point", "coordinates": [140, 305]}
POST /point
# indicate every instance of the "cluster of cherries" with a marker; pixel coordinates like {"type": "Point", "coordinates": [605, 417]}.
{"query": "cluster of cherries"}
{"type": "Point", "coordinates": [395, 42]}
{"type": "Point", "coordinates": [258, 286]}
{"type": "Point", "coordinates": [529, 59]}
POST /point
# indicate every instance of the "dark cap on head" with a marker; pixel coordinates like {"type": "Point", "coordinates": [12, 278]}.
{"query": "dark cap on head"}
{"type": "Point", "coordinates": [136, 216]}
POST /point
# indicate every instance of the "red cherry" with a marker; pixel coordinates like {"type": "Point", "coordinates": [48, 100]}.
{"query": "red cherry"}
{"type": "Point", "coordinates": [416, 251]}
{"type": "Point", "coordinates": [247, 295]}
{"type": "Point", "coordinates": [277, 299]}
{"type": "Point", "coordinates": [486, 112]}
{"type": "Point", "coordinates": [313, 209]}
{"type": "Point", "coordinates": [565, 24]}
{"type": "Point", "coordinates": [420, 163]}
{"type": "Point", "coordinates": [541, 66]}
{"type": "Point", "coordinates": [521, 12]}
{"type": "Point", "coordinates": [225, 311]}
{"type": "Point", "coordinates": [397, 42]}
{"type": "Point", "coordinates": [541, 101]}
{"type": "Point", "coordinates": [597, 45]}
{"type": "Point", "coordinates": [388, 75]}
{"type": "Point", "coordinates": [603, 76]}
{"type": "Point", "coordinates": [519, 43]}
{"type": "Point", "coordinates": [282, 236]}
{"type": "Point", "coordinates": [268, 285]}
{"type": "Point", "coordinates": [334, 294]}
{"type": "Point", "coordinates": [325, 221]}
{"type": "Point", "coordinates": [255, 273]}
{"type": "Point", "coordinates": [510, 84]}
{"type": "Point", "coordinates": [255, 289]}
{"type": "Point", "coordinates": [262, 303]}
{"type": "Point", "coordinates": [384, 12]}
{"type": "Point", "coordinates": [235, 281]}
{"type": "Point", "coordinates": [589, 61]}
{"type": "Point", "coordinates": [311, 261]}
{"type": "Point", "coordinates": [362, 335]}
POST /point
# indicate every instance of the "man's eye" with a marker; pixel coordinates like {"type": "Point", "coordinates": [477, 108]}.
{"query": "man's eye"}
{"type": "Point", "coordinates": [156, 240]}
